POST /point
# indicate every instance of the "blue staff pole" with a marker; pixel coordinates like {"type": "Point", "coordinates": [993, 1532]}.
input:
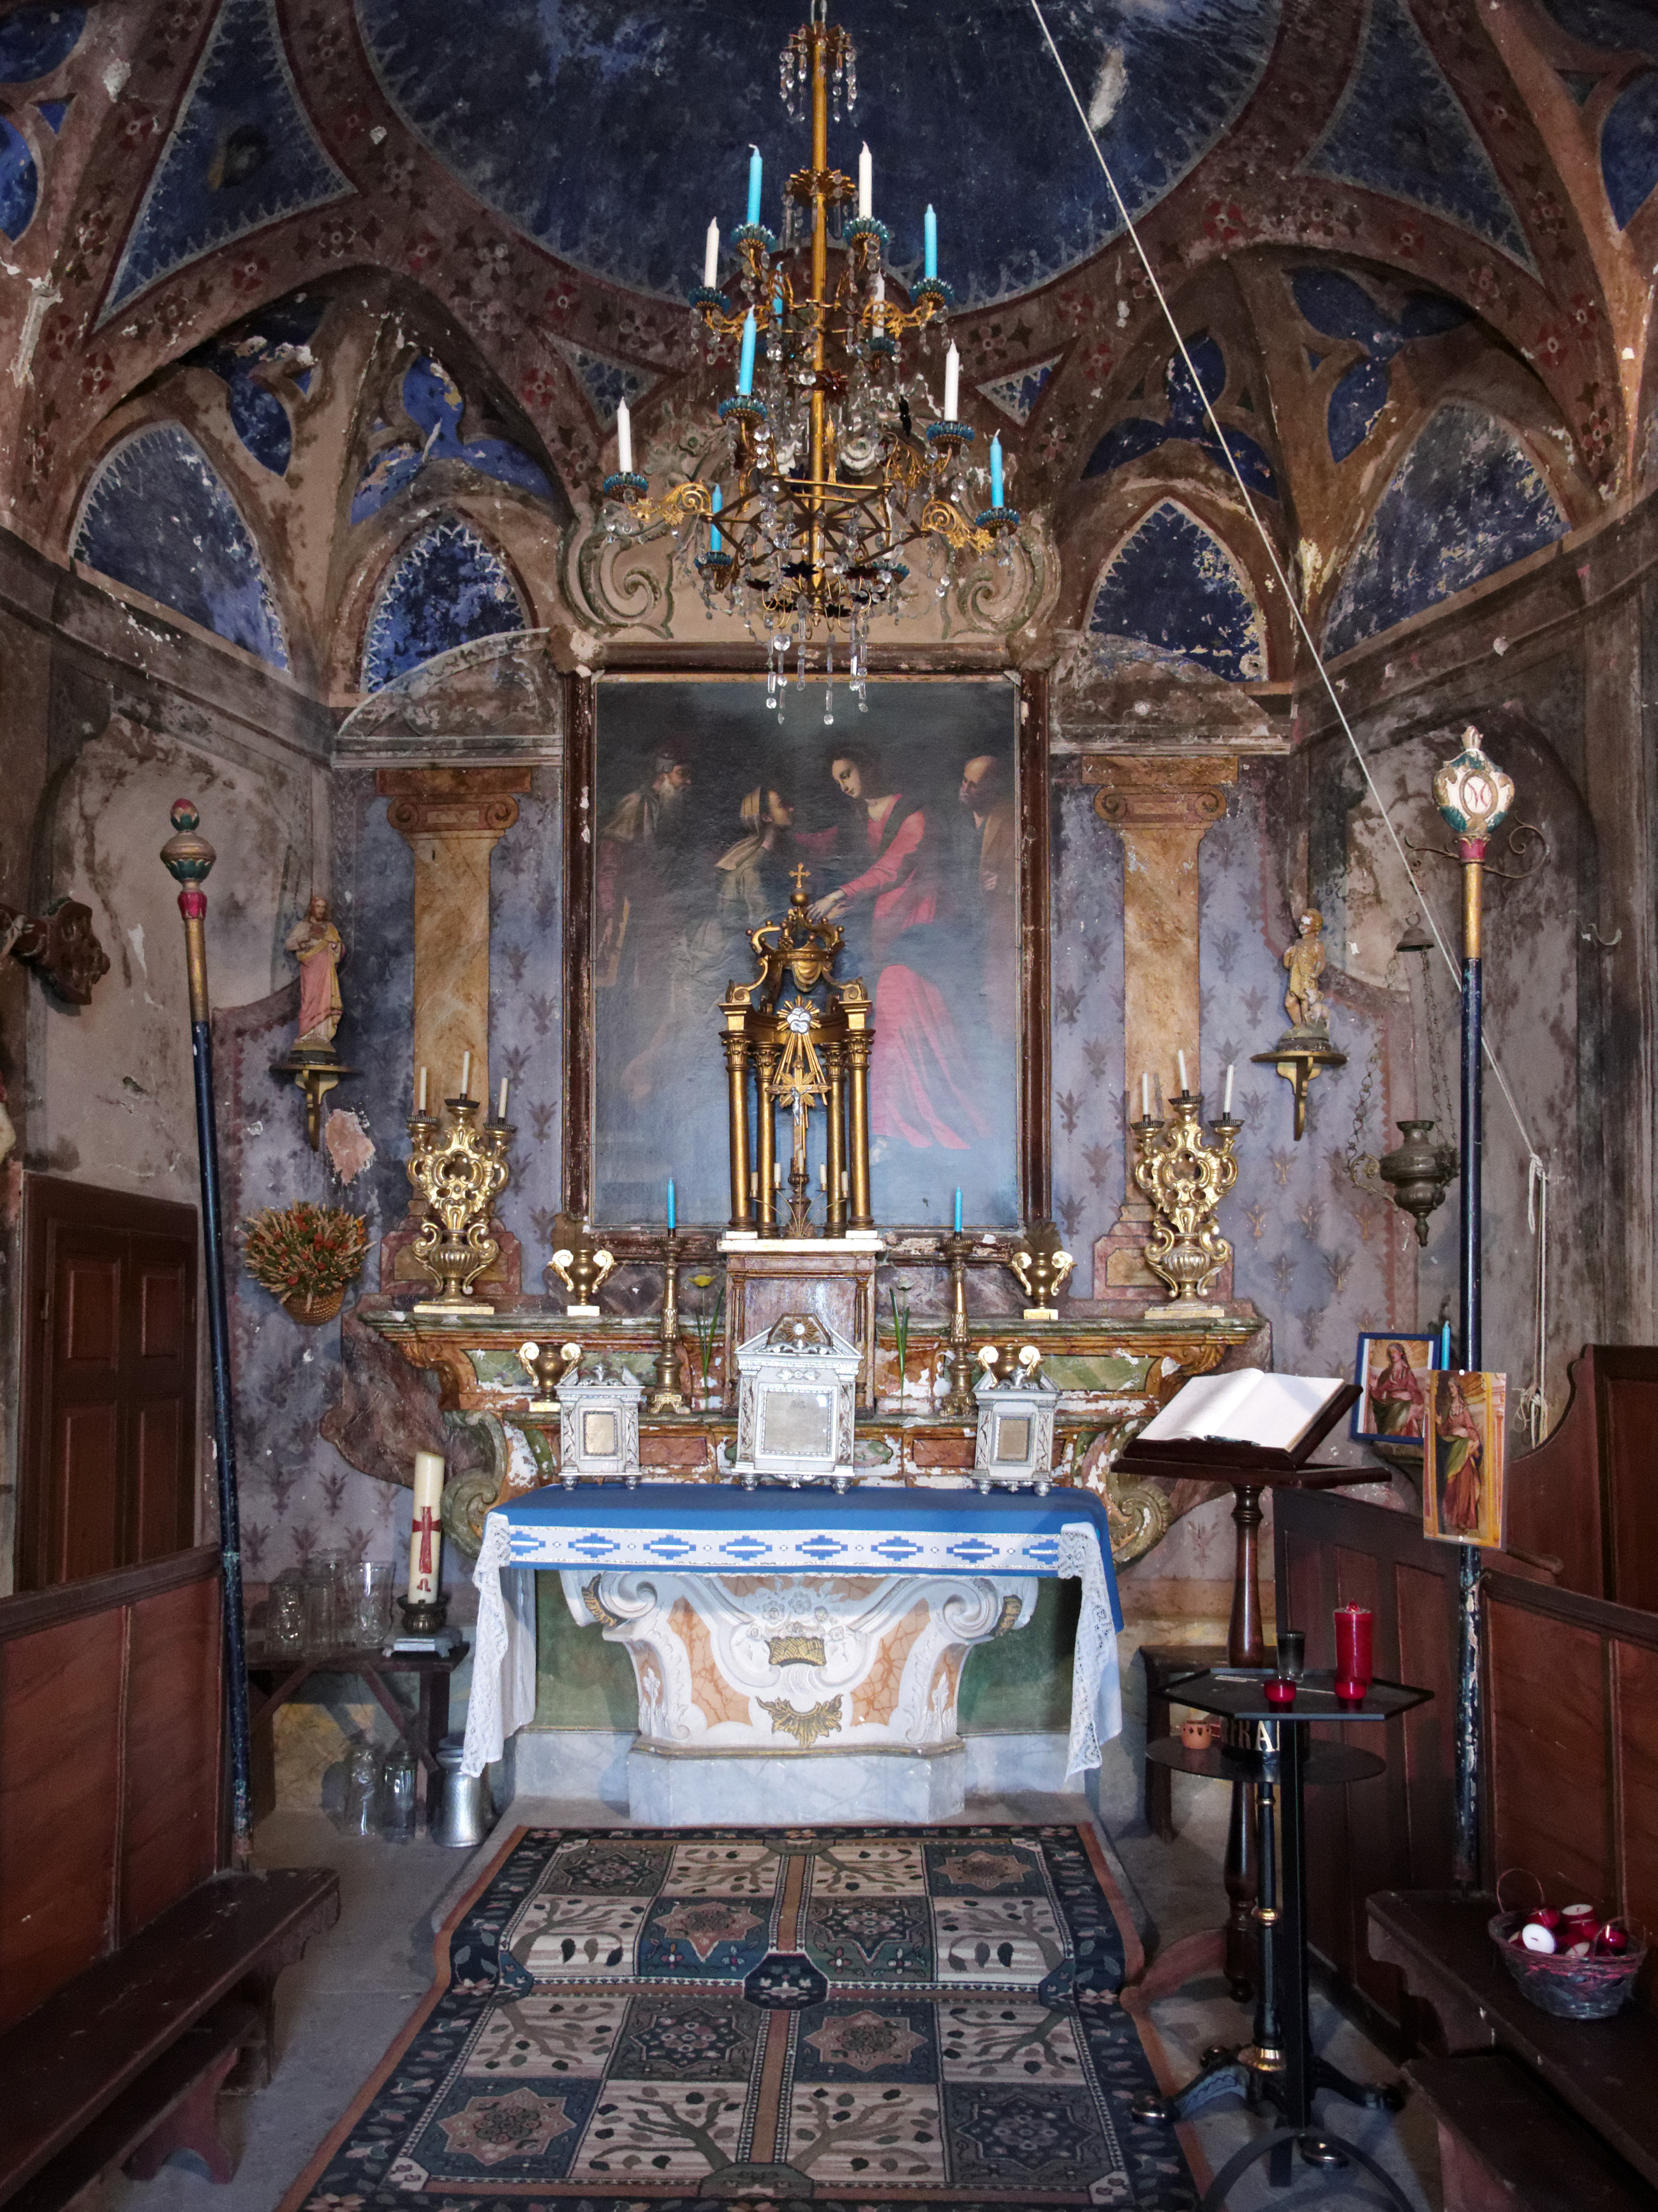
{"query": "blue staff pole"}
{"type": "Point", "coordinates": [188, 857]}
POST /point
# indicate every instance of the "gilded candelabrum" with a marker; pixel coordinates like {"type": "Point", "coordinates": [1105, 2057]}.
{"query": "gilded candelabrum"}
{"type": "Point", "coordinates": [828, 481]}
{"type": "Point", "coordinates": [667, 1397]}
{"type": "Point", "coordinates": [459, 1173]}
{"type": "Point", "coordinates": [1185, 1178]}
{"type": "Point", "coordinates": [1040, 1267]}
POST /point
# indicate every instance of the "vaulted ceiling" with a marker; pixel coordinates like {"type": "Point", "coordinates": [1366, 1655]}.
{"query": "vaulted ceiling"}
{"type": "Point", "coordinates": [256, 220]}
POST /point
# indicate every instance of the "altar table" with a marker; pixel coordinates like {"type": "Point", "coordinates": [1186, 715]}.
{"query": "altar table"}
{"type": "Point", "coordinates": [732, 1535]}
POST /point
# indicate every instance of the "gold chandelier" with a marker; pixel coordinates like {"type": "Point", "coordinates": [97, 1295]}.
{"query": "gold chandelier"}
{"type": "Point", "coordinates": [831, 483]}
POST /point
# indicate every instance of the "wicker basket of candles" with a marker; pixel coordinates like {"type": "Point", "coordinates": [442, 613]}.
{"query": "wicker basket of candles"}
{"type": "Point", "coordinates": [1571, 1960]}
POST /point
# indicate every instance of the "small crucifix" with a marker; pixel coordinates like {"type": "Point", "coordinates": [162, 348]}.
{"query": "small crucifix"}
{"type": "Point", "coordinates": [800, 876]}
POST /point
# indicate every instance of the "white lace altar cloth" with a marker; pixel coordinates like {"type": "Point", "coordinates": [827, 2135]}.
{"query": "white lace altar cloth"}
{"type": "Point", "coordinates": [728, 1530]}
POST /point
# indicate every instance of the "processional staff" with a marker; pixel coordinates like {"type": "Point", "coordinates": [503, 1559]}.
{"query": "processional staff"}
{"type": "Point", "coordinates": [188, 857]}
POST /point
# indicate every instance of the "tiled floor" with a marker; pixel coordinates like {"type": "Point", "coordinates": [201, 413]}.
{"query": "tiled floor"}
{"type": "Point", "coordinates": [341, 2008]}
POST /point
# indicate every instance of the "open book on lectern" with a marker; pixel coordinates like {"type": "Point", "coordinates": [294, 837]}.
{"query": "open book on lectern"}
{"type": "Point", "coordinates": [1271, 1420]}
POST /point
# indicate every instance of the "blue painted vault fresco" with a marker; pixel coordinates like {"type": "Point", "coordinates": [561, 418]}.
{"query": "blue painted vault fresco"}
{"type": "Point", "coordinates": [572, 123]}
{"type": "Point", "coordinates": [1629, 147]}
{"type": "Point", "coordinates": [240, 155]}
{"type": "Point", "coordinates": [1339, 306]}
{"type": "Point", "coordinates": [930, 915]}
{"type": "Point", "coordinates": [20, 183]}
{"type": "Point", "coordinates": [277, 338]}
{"type": "Point", "coordinates": [158, 517]}
{"type": "Point", "coordinates": [1188, 421]}
{"type": "Point", "coordinates": [1465, 502]}
{"type": "Point", "coordinates": [433, 401]}
{"type": "Point", "coordinates": [447, 589]}
{"type": "Point", "coordinates": [1172, 584]}
{"type": "Point", "coordinates": [34, 41]}
{"type": "Point", "coordinates": [606, 382]}
{"type": "Point", "coordinates": [1017, 394]}
{"type": "Point", "coordinates": [1401, 130]}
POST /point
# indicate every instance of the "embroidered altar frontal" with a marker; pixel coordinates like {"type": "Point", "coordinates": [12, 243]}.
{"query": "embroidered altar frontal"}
{"type": "Point", "coordinates": [853, 2019]}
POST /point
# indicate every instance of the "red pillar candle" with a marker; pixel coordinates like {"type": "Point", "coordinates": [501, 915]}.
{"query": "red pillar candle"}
{"type": "Point", "coordinates": [1354, 1668]}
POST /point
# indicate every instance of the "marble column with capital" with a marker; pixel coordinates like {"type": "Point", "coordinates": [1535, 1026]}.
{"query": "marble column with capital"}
{"type": "Point", "coordinates": [1160, 804]}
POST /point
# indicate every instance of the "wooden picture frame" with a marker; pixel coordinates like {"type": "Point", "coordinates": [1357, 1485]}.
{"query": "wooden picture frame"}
{"type": "Point", "coordinates": [590, 963]}
{"type": "Point", "coordinates": [1395, 1363]}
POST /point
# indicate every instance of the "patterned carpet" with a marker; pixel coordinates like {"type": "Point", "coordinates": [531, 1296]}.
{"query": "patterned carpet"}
{"type": "Point", "coordinates": [851, 2020]}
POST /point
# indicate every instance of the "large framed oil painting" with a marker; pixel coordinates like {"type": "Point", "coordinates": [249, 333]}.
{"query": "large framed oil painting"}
{"type": "Point", "coordinates": [906, 818]}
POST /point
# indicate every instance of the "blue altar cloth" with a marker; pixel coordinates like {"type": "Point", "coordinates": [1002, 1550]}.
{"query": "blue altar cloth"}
{"type": "Point", "coordinates": [720, 1528]}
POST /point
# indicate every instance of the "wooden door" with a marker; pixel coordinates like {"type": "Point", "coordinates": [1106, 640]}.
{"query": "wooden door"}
{"type": "Point", "coordinates": [107, 1442]}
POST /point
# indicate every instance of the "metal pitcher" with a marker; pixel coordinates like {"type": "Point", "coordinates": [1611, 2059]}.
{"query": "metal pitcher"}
{"type": "Point", "coordinates": [464, 1816]}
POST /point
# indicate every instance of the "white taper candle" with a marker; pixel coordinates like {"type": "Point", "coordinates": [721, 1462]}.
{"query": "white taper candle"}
{"type": "Point", "coordinates": [711, 257]}
{"type": "Point", "coordinates": [1226, 1103]}
{"type": "Point", "coordinates": [1181, 1058]}
{"type": "Point", "coordinates": [624, 439]}
{"type": "Point", "coordinates": [422, 1090]}
{"type": "Point", "coordinates": [1146, 1095]}
{"type": "Point", "coordinates": [865, 184]}
{"type": "Point", "coordinates": [500, 1110]}
{"type": "Point", "coordinates": [466, 1075]}
{"type": "Point", "coordinates": [952, 383]}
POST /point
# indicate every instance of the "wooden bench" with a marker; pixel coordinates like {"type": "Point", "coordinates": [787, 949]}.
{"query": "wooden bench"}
{"type": "Point", "coordinates": [135, 1975]}
{"type": "Point", "coordinates": [1506, 2145]}
{"type": "Point", "coordinates": [129, 2055]}
{"type": "Point", "coordinates": [1572, 2081]}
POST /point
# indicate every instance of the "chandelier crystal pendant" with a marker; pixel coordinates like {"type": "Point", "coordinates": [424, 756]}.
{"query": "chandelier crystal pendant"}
{"type": "Point", "coordinates": [831, 483]}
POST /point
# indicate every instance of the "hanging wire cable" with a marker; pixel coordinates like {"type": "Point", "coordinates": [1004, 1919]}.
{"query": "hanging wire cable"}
{"type": "Point", "coordinates": [1290, 600]}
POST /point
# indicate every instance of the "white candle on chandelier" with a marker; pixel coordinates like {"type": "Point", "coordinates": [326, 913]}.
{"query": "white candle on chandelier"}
{"type": "Point", "coordinates": [624, 439]}
{"type": "Point", "coordinates": [711, 257]}
{"type": "Point", "coordinates": [777, 1175]}
{"type": "Point", "coordinates": [500, 1110]}
{"type": "Point", "coordinates": [1181, 1058]}
{"type": "Point", "coordinates": [1146, 1095]}
{"type": "Point", "coordinates": [1226, 1103]}
{"type": "Point", "coordinates": [822, 1178]}
{"type": "Point", "coordinates": [466, 1075]}
{"type": "Point", "coordinates": [952, 383]}
{"type": "Point", "coordinates": [880, 292]}
{"type": "Point", "coordinates": [422, 1090]}
{"type": "Point", "coordinates": [865, 184]}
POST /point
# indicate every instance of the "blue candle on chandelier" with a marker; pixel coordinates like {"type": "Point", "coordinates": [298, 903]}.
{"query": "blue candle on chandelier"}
{"type": "Point", "coordinates": [754, 185]}
{"type": "Point", "coordinates": [930, 243]}
{"type": "Point", "coordinates": [1445, 1344]}
{"type": "Point", "coordinates": [716, 544]}
{"type": "Point", "coordinates": [958, 1212]}
{"type": "Point", "coordinates": [671, 1222]}
{"type": "Point", "coordinates": [996, 469]}
{"type": "Point", "coordinates": [745, 359]}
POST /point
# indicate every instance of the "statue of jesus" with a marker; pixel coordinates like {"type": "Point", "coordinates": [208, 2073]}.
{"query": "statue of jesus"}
{"type": "Point", "coordinates": [318, 948]}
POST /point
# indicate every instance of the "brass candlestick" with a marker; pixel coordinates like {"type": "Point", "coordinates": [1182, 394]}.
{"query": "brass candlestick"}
{"type": "Point", "coordinates": [959, 1404]}
{"type": "Point", "coordinates": [1186, 1179]}
{"type": "Point", "coordinates": [459, 1175]}
{"type": "Point", "coordinates": [667, 1397]}
{"type": "Point", "coordinates": [1040, 1267]}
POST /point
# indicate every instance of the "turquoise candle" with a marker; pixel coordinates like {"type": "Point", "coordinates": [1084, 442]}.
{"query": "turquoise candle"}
{"type": "Point", "coordinates": [745, 360]}
{"type": "Point", "coordinates": [958, 1212]}
{"type": "Point", "coordinates": [715, 544]}
{"type": "Point", "coordinates": [671, 1222]}
{"type": "Point", "coordinates": [754, 184]}
{"type": "Point", "coordinates": [1445, 1344]}
{"type": "Point", "coordinates": [930, 243]}
{"type": "Point", "coordinates": [996, 469]}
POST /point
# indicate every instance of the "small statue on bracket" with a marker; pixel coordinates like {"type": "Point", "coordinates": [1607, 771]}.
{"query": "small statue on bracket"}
{"type": "Point", "coordinates": [1304, 1050]}
{"type": "Point", "coordinates": [312, 1060]}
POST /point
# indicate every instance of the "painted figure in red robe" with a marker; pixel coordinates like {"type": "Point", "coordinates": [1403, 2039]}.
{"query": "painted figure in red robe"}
{"type": "Point", "coordinates": [920, 1083]}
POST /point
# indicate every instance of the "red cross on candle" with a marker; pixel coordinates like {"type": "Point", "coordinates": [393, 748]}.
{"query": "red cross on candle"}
{"type": "Point", "coordinates": [426, 1527]}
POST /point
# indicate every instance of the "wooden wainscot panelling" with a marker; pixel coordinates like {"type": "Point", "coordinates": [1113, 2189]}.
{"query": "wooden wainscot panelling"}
{"type": "Point", "coordinates": [1571, 1703]}
{"type": "Point", "coordinates": [110, 1702]}
{"type": "Point", "coordinates": [1586, 1500]}
{"type": "Point", "coordinates": [1394, 1831]}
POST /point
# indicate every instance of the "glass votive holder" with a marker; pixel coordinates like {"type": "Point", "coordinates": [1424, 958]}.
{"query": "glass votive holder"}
{"type": "Point", "coordinates": [284, 1615]}
{"type": "Point", "coordinates": [323, 1573]}
{"type": "Point", "coordinates": [366, 1586]}
{"type": "Point", "coordinates": [397, 1796]}
{"type": "Point", "coordinates": [364, 1785]}
{"type": "Point", "coordinates": [1290, 1654]}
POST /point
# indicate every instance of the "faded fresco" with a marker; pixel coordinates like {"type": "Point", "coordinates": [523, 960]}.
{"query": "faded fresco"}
{"type": "Point", "coordinates": [905, 819]}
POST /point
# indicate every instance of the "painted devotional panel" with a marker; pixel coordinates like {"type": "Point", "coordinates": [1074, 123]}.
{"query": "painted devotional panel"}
{"type": "Point", "coordinates": [907, 820]}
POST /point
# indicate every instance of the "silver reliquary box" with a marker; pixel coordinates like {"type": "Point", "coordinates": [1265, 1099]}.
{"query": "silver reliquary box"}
{"type": "Point", "coordinates": [797, 1387]}
{"type": "Point", "coordinates": [1015, 1442]}
{"type": "Point", "coordinates": [598, 1426]}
